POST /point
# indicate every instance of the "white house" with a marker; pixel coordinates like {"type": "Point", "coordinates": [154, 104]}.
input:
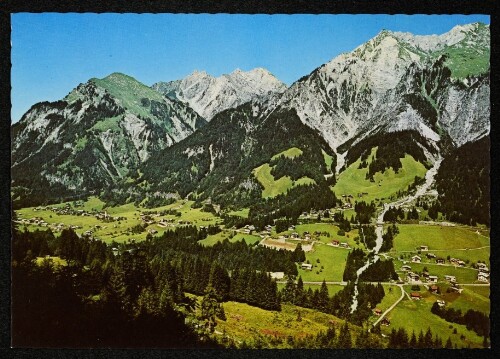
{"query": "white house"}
{"type": "Point", "coordinates": [306, 266]}
{"type": "Point", "coordinates": [450, 278]}
{"type": "Point", "coordinates": [412, 277]}
{"type": "Point", "coordinates": [482, 267]}
{"type": "Point", "coordinates": [432, 279]}
{"type": "Point", "coordinates": [406, 268]}
{"type": "Point", "coordinates": [416, 259]}
{"type": "Point", "coordinates": [483, 277]}
{"type": "Point", "coordinates": [424, 248]}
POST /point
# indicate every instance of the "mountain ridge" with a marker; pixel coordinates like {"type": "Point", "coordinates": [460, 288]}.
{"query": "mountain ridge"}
{"type": "Point", "coordinates": [209, 95]}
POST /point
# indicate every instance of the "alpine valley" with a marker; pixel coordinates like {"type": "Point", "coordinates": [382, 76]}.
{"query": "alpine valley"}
{"type": "Point", "coordinates": [296, 216]}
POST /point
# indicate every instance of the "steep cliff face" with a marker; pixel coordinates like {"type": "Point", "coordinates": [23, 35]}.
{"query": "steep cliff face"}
{"type": "Point", "coordinates": [98, 134]}
{"type": "Point", "coordinates": [209, 95]}
{"type": "Point", "coordinates": [436, 85]}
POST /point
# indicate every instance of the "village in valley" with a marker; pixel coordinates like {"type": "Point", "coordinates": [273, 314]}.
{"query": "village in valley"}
{"type": "Point", "coordinates": [437, 263]}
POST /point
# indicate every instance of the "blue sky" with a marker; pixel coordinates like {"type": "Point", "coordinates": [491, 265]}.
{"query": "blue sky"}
{"type": "Point", "coordinates": [53, 53]}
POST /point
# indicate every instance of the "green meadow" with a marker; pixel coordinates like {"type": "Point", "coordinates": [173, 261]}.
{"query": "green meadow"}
{"type": "Point", "coordinates": [219, 237]}
{"type": "Point", "coordinates": [353, 179]}
{"type": "Point", "coordinates": [273, 187]}
{"type": "Point", "coordinates": [438, 237]}
{"type": "Point", "coordinates": [118, 231]}
{"type": "Point", "coordinates": [332, 260]}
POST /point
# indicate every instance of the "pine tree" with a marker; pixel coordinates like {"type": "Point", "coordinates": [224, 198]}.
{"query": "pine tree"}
{"type": "Point", "coordinates": [448, 344]}
{"type": "Point", "coordinates": [345, 341]}
{"type": "Point", "coordinates": [289, 290]}
{"type": "Point", "coordinates": [428, 339]}
{"type": "Point", "coordinates": [323, 297]}
{"type": "Point", "coordinates": [299, 293]}
{"type": "Point", "coordinates": [210, 309]}
{"type": "Point", "coordinates": [220, 281]}
{"type": "Point", "coordinates": [413, 340]}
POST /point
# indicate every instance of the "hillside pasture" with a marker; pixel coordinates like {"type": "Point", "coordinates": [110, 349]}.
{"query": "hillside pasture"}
{"type": "Point", "coordinates": [332, 259]}
{"type": "Point", "coordinates": [353, 179]}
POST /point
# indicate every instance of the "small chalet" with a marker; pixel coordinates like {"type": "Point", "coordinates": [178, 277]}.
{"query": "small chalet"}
{"type": "Point", "coordinates": [377, 311]}
{"type": "Point", "coordinates": [424, 248]}
{"type": "Point", "coordinates": [335, 243]}
{"type": "Point", "coordinates": [295, 235]}
{"type": "Point", "coordinates": [412, 277]}
{"type": "Point", "coordinates": [483, 277]}
{"type": "Point", "coordinates": [306, 266]}
{"type": "Point", "coordinates": [406, 268]}
{"type": "Point", "coordinates": [434, 289]}
{"type": "Point", "coordinates": [344, 245]}
{"type": "Point", "coordinates": [268, 228]}
{"type": "Point", "coordinates": [385, 322]}
{"type": "Point", "coordinates": [432, 279]}
{"type": "Point", "coordinates": [450, 278]}
{"type": "Point", "coordinates": [482, 267]}
{"type": "Point", "coordinates": [461, 263]}
{"type": "Point", "coordinates": [115, 251]}
{"type": "Point", "coordinates": [291, 228]}
{"type": "Point", "coordinates": [439, 260]}
{"type": "Point", "coordinates": [415, 296]}
{"type": "Point", "coordinates": [441, 303]}
{"type": "Point", "coordinates": [430, 255]}
{"type": "Point", "coordinates": [416, 259]}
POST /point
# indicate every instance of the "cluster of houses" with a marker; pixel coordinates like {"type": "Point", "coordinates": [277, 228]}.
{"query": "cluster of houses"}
{"type": "Point", "coordinates": [165, 222]}
{"type": "Point", "coordinates": [415, 278]}
{"type": "Point", "coordinates": [68, 210]}
{"type": "Point", "coordinates": [39, 221]}
{"type": "Point", "coordinates": [417, 259]}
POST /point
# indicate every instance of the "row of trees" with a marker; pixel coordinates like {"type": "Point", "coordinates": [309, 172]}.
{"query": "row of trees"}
{"type": "Point", "coordinates": [399, 339]}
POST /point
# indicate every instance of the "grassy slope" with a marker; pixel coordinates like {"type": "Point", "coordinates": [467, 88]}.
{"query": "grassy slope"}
{"type": "Point", "coordinates": [290, 153]}
{"type": "Point", "coordinates": [416, 315]}
{"type": "Point", "coordinates": [273, 187]}
{"type": "Point", "coordinates": [332, 259]}
{"type": "Point", "coordinates": [328, 159]}
{"type": "Point", "coordinates": [246, 323]}
{"type": "Point", "coordinates": [211, 240]}
{"type": "Point", "coordinates": [352, 180]}
{"type": "Point", "coordinates": [476, 298]}
{"type": "Point", "coordinates": [437, 237]}
{"type": "Point", "coordinates": [129, 92]}
{"type": "Point", "coordinates": [444, 241]}
{"type": "Point", "coordinates": [240, 213]}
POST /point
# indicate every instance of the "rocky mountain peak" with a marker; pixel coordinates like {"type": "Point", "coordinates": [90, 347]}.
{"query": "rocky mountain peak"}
{"type": "Point", "coordinates": [209, 95]}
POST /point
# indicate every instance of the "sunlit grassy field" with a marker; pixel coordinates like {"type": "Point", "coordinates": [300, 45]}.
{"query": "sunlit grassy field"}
{"type": "Point", "coordinates": [353, 180]}
{"type": "Point", "coordinates": [274, 187]}
{"type": "Point", "coordinates": [332, 259]}
{"type": "Point", "coordinates": [446, 238]}
{"type": "Point", "coordinates": [211, 240]}
{"type": "Point", "coordinates": [118, 230]}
